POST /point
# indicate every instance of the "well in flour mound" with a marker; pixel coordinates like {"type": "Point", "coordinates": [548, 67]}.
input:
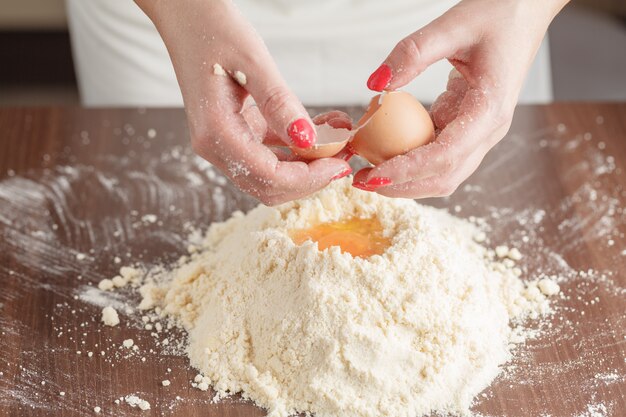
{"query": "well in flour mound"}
{"type": "Point", "coordinates": [421, 328]}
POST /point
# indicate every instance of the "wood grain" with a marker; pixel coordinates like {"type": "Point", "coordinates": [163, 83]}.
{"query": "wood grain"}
{"type": "Point", "coordinates": [558, 179]}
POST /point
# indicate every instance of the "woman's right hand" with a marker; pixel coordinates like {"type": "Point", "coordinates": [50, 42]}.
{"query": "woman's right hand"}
{"type": "Point", "coordinates": [219, 60]}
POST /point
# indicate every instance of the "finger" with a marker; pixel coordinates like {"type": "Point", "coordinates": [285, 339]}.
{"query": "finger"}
{"type": "Point", "coordinates": [440, 39]}
{"type": "Point", "coordinates": [298, 179]}
{"type": "Point", "coordinates": [293, 195]}
{"type": "Point", "coordinates": [446, 106]}
{"type": "Point", "coordinates": [249, 163]}
{"type": "Point", "coordinates": [284, 113]}
{"type": "Point", "coordinates": [361, 176]}
{"type": "Point", "coordinates": [437, 185]}
{"type": "Point", "coordinates": [256, 121]}
{"type": "Point", "coordinates": [257, 124]}
{"type": "Point", "coordinates": [472, 126]}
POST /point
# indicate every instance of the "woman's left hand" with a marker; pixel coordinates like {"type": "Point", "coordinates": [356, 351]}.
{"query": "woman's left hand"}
{"type": "Point", "coordinates": [491, 44]}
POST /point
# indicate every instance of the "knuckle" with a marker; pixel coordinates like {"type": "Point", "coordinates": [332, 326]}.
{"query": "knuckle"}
{"type": "Point", "coordinates": [275, 101]}
{"type": "Point", "coordinates": [410, 48]}
{"type": "Point", "coordinates": [449, 162]}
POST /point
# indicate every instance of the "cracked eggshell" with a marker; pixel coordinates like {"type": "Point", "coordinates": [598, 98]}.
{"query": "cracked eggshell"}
{"type": "Point", "coordinates": [330, 141]}
{"type": "Point", "coordinates": [394, 123]}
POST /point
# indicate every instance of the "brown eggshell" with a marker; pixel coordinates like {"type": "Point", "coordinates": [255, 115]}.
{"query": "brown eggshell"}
{"type": "Point", "coordinates": [330, 141]}
{"type": "Point", "coordinates": [394, 123]}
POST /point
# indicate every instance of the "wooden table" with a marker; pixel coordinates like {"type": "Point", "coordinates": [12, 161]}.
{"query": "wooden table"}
{"type": "Point", "coordinates": [76, 185]}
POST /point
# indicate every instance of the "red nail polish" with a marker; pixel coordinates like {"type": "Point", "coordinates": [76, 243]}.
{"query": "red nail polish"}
{"type": "Point", "coordinates": [379, 78]}
{"type": "Point", "coordinates": [301, 133]}
{"type": "Point", "coordinates": [342, 174]}
{"type": "Point", "coordinates": [361, 186]}
{"type": "Point", "coordinates": [348, 155]}
{"type": "Point", "coordinates": [378, 182]}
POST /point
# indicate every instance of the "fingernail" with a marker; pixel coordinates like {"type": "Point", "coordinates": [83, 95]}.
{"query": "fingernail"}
{"type": "Point", "coordinates": [362, 186]}
{"type": "Point", "coordinates": [377, 182]}
{"type": "Point", "coordinates": [342, 174]}
{"type": "Point", "coordinates": [373, 183]}
{"type": "Point", "coordinates": [379, 78]}
{"type": "Point", "coordinates": [301, 133]}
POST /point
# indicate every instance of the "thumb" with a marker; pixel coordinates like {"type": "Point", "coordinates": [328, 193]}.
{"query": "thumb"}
{"type": "Point", "coordinates": [415, 53]}
{"type": "Point", "coordinates": [284, 113]}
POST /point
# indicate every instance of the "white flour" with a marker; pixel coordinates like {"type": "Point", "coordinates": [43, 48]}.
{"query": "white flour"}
{"type": "Point", "coordinates": [299, 330]}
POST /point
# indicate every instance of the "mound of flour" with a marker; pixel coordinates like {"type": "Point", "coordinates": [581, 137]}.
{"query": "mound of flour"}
{"type": "Point", "coordinates": [422, 328]}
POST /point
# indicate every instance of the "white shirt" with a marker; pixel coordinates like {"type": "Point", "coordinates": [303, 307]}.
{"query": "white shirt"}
{"type": "Point", "coordinates": [325, 50]}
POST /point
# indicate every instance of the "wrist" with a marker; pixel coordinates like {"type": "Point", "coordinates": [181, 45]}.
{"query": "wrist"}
{"type": "Point", "coordinates": [555, 6]}
{"type": "Point", "coordinates": [550, 7]}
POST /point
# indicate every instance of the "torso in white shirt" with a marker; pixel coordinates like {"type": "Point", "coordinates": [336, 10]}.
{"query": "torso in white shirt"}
{"type": "Point", "coordinates": [325, 50]}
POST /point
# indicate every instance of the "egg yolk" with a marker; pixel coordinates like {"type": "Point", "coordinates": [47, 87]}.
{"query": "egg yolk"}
{"type": "Point", "coordinates": [359, 237]}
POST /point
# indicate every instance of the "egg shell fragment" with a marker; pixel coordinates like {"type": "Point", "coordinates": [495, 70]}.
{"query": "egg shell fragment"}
{"type": "Point", "coordinates": [330, 141]}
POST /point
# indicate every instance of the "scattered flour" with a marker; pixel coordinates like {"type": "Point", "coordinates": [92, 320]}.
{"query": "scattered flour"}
{"type": "Point", "coordinates": [135, 401]}
{"type": "Point", "coordinates": [595, 410]}
{"type": "Point", "coordinates": [296, 329]}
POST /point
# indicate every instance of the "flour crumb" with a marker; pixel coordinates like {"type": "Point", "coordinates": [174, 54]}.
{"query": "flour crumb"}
{"type": "Point", "coordinates": [241, 78]}
{"type": "Point", "coordinates": [135, 401]}
{"type": "Point", "coordinates": [128, 343]}
{"type": "Point", "coordinates": [149, 218]}
{"type": "Point", "coordinates": [480, 237]}
{"type": "Point", "coordinates": [97, 410]}
{"type": "Point", "coordinates": [165, 383]}
{"type": "Point", "coordinates": [110, 317]}
{"type": "Point", "coordinates": [548, 287]}
{"type": "Point", "coordinates": [105, 285]}
{"type": "Point", "coordinates": [502, 251]}
{"type": "Point", "coordinates": [218, 70]}
{"type": "Point", "coordinates": [514, 254]}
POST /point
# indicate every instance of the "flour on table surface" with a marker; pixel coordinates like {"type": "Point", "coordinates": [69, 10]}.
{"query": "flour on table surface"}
{"type": "Point", "coordinates": [37, 212]}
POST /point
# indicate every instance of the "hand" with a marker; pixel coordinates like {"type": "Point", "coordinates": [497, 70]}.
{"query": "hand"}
{"type": "Point", "coordinates": [219, 61]}
{"type": "Point", "coordinates": [491, 44]}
